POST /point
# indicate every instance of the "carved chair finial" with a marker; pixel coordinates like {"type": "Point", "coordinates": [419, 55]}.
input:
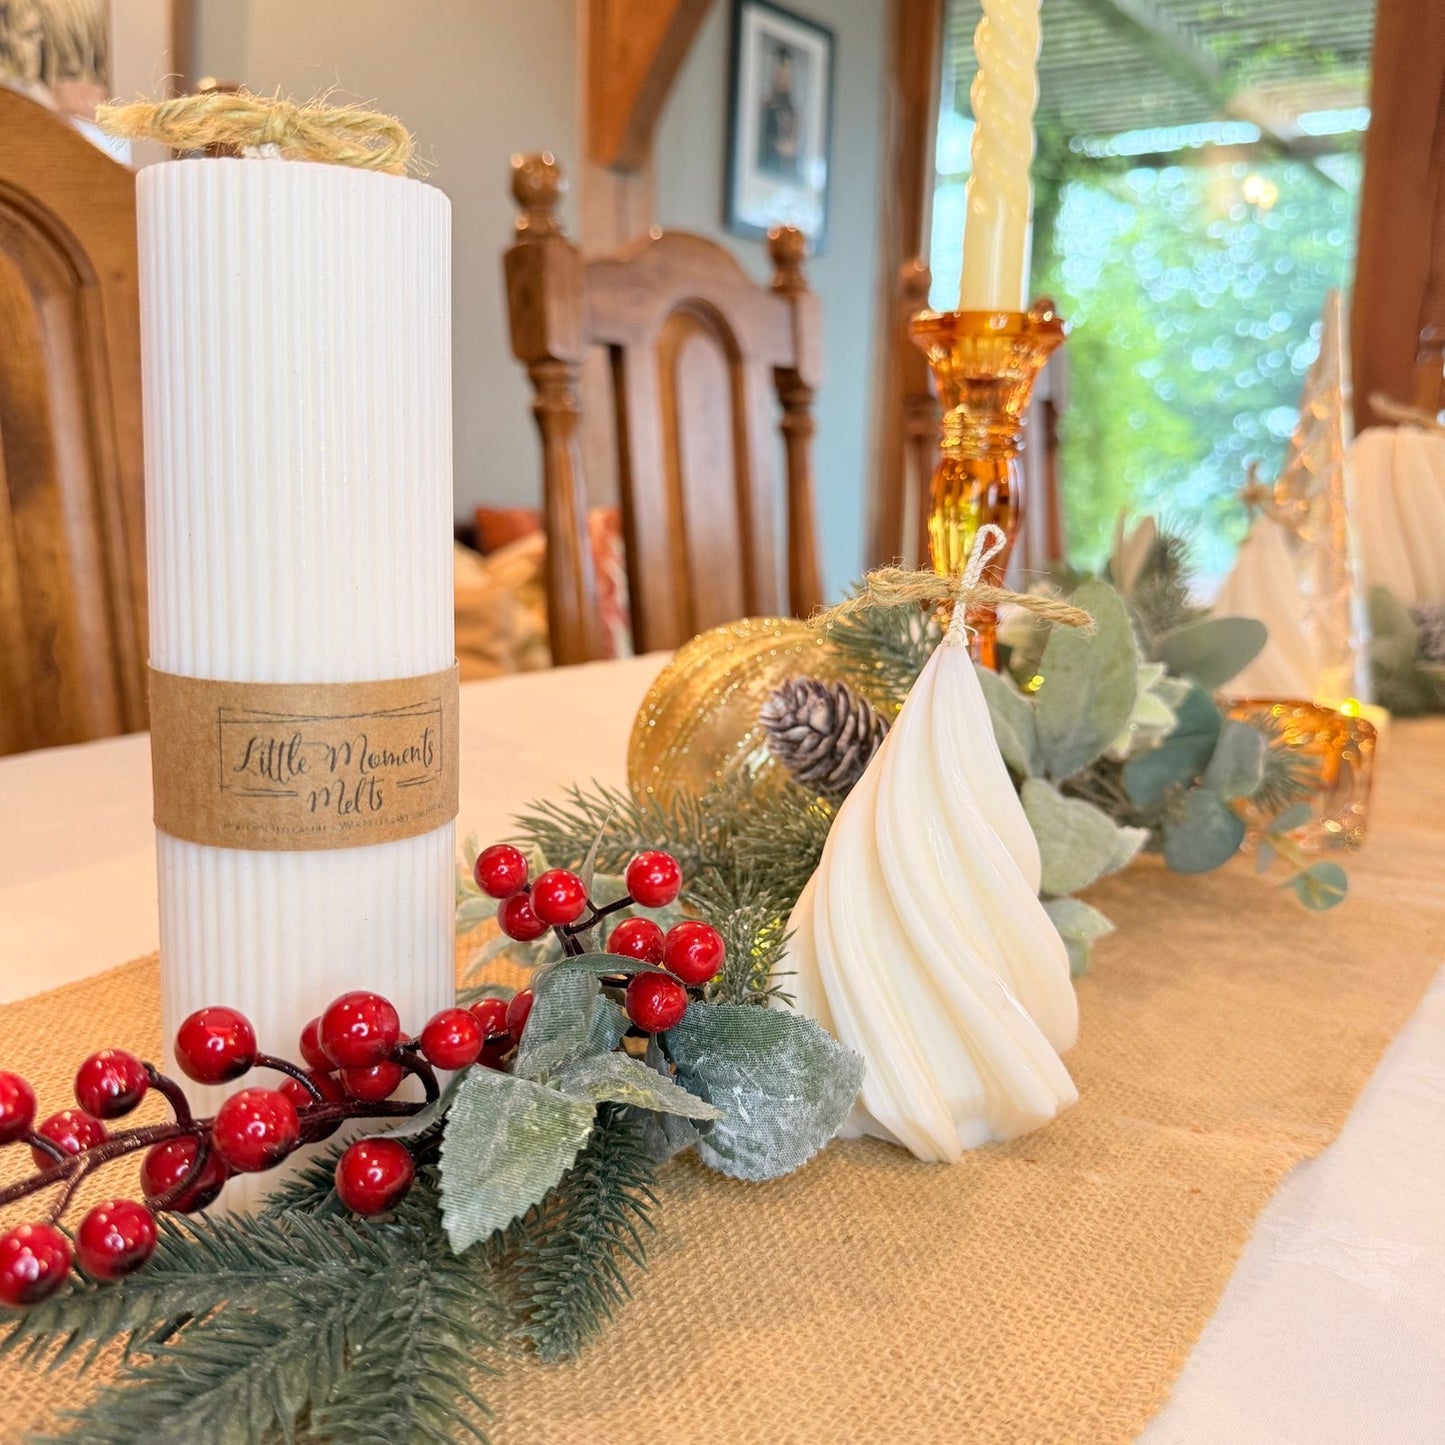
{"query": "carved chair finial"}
{"type": "Point", "coordinates": [537, 186]}
{"type": "Point", "coordinates": [787, 245]}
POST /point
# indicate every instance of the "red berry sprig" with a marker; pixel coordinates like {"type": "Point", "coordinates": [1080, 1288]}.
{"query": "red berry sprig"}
{"type": "Point", "coordinates": [691, 952]}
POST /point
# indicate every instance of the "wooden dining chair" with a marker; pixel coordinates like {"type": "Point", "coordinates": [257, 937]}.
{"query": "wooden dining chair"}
{"type": "Point", "coordinates": [72, 527]}
{"type": "Point", "coordinates": [711, 379]}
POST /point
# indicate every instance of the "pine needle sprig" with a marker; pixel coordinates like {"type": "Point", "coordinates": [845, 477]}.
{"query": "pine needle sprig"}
{"type": "Point", "coordinates": [618, 824]}
{"type": "Point", "coordinates": [1287, 778]}
{"type": "Point", "coordinates": [885, 649]}
{"type": "Point", "coordinates": [1161, 595]}
{"type": "Point", "coordinates": [569, 1269]}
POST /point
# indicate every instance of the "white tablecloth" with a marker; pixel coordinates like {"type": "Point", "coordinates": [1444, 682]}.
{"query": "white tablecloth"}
{"type": "Point", "coordinates": [1332, 1330]}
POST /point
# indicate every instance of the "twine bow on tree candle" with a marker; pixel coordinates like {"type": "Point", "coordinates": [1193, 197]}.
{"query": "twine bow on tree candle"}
{"type": "Point", "coordinates": [343, 135]}
{"type": "Point", "coordinates": [899, 586]}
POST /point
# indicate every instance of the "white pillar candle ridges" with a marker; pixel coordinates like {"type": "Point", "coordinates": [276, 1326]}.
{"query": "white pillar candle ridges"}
{"type": "Point", "coordinates": [1399, 511]}
{"type": "Point", "coordinates": [998, 205]}
{"type": "Point", "coordinates": [297, 356]}
{"type": "Point", "coordinates": [920, 940]}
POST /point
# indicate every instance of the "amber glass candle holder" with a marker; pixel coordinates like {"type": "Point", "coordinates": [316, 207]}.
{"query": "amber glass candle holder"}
{"type": "Point", "coordinates": [985, 365]}
{"type": "Point", "coordinates": [1330, 752]}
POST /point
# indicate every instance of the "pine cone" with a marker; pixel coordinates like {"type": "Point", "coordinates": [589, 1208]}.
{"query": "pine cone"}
{"type": "Point", "coordinates": [823, 733]}
{"type": "Point", "coordinates": [1429, 619]}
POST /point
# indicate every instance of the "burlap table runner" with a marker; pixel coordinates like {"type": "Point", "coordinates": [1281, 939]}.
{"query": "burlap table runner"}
{"type": "Point", "coordinates": [1043, 1291]}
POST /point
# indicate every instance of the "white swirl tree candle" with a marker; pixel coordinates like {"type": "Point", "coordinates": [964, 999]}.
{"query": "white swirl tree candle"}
{"type": "Point", "coordinates": [297, 358]}
{"type": "Point", "coordinates": [998, 212]}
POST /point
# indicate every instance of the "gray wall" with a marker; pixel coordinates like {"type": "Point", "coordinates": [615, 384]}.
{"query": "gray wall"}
{"type": "Point", "coordinates": [477, 80]}
{"type": "Point", "coordinates": [691, 161]}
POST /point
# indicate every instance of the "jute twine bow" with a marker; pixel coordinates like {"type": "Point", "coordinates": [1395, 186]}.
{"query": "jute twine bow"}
{"type": "Point", "coordinates": [898, 586]}
{"type": "Point", "coordinates": [343, 135]}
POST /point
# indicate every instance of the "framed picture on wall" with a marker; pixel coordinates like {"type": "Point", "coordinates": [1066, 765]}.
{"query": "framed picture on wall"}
{"type": "Point", "coordinates": [780, 122]}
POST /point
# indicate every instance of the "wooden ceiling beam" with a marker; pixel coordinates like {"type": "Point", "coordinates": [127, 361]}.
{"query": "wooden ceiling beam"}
{"type": "Point", "coordinates": [635, 50]}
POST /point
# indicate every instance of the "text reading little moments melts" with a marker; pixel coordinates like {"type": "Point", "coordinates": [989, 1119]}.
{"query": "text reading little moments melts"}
{"type": "Point", "coordinates": [293, 766]}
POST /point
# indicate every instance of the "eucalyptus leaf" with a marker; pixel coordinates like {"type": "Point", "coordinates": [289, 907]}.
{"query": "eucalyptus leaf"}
{"type": "Point", "coordinates": [1127, 843]}
{"type": "Point", "coordinates": [1181, 757]}
{"type": "Point", "coordinates": [785, 1085]}
{"type": "Point", "coordinates": [1080, 926]}
{"type": "Point", "coordinates": [1320, 886]}
{"type": "Point", "coordinates": [1264, 858]}
{"type": "Point", "coordinates": [1077, 841]}
{"type": "Point", "coordinates": [1204, 834]}
{"type": "Point", "coordinates": [617, 1079]}
{"type": "Point", "coordinates": [1012, 716]}
{"type": "Point", "coordinates": [1295, 816]}
{"type": "Point", "coordinates": [507, 1142]}
{"type": "Point", "coordinates": [1090, 682]}
{"type": "Point", "coordinates": [1213, 650]}
{"type": "Point", "coordinates": [1237, 764]}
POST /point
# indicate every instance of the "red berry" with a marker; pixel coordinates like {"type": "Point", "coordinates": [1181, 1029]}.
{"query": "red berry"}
{"type": "Point", "coordinates": [168, 1164]}
{"type": "Point", "coordinates": [373, 1174]}
{"type": "Point", "coordinates": [73, 1130]}
{"type": "Point", "coordinates": [638, 938]}
{"type": "Point", "coordinates": [519, 1007]}
{"type": "Point", "coordinates": [115, 1238]}
{"type": "Point", "coordinates": [110, 1084]}
{"type": "Point", "coordinates": [17, 1108]}
{"type": "Point", "coordinates": [373, 1085]}
{"type": "Point", "coordinates": [655, 1002]}
{"type": "Point", "coordinates": [255, 1130]}
{"type": "Point", "coordinates": [302, 1100]}
{"type": "Point", "coordinates": [518, 921]}
{"type": "Point", "coordinates": [311, 1049]}
{"type": "Point", "coordinates": [501, 870]}
{"type": "Point", "coordinates": [559, 897]}
{"type": "Point", "coordinates": [34, 1260]}
{"type": "Point", "coordinates": [491, 1014]}
{"type": "Point", "coordinates": [359, 1029]}
{"type": "Point", "coordinates": [215, 1045]}
{"type": "Point", "coordinates": [653, 879]}
{"type": "Point", "coordinates": [453, 1039]}
{"type": "Point", "coordinates": [693, 951]}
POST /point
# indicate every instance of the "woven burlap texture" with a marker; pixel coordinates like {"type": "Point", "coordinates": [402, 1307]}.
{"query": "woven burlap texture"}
{"type": "Point", "coordinates": [1043, 1291]}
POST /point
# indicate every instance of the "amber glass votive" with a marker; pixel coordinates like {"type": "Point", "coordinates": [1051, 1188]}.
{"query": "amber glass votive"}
{"type": "Point", "coordinates": [1329, 753]}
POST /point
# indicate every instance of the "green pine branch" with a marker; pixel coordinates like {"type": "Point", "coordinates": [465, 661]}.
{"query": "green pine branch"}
{"type": "Point", "coordinates": [569, 1265]}
{"type": "Point", "coordinates": [885, 649]}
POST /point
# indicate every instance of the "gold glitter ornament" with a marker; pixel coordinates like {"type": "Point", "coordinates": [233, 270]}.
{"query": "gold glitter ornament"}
{"type": "Point", "coordinates": [699, 722]}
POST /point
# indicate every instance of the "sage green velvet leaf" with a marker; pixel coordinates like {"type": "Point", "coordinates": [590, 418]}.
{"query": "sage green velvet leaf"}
{"type": "Point", "coordinates": [1090, 683]}
{"type": "Point", "coordinates": [784, 1085]}
{"type": "Point", "coordinates": [1181, 757]}
{"type": "Point", "coordinates": [507, 1142]}
{"type": "Point", "coordinates": [1080, 926]}
{"type": "Point", "coordinates": [560, 1025]}
{"type": "Point", "coordinates": [664, 1136]}
{"type": "Point", "coordinates": [1205, 833]}
{"type": "Point", "coordinates": [1295, 816]}
{"type": "Point", "coordinates": [1321, 885]}
{"type": "Point", "coordinates": [1077, 841]}
{"type": "Point", "coordinates": [1237, 764]}
{"type": "Point", "coordinates": [1012, 716]}
{"type": "Point", "coordinates": [596, 965]}
{"type": "Point", "coordinates": [428, 1114]}
{"type": "Point", "coordinates": [1213, 650]}
{"type": "Point", "coordinates": [617, 1079]}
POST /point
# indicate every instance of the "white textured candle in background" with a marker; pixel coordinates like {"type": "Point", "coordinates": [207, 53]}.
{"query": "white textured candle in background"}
{"type": "Point", "coordinates": [296, 340]}
{"type": "Point", "coordinates": [999, 201]}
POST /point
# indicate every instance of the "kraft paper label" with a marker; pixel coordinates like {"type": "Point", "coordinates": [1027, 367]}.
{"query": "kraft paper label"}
{"type": "Point", "coordinates": [291, 767]}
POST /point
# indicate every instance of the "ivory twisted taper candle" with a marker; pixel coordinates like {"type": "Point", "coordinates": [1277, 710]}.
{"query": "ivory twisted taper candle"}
{"type": "Point", "coordinates": [999, 203]}
{"type": "Point", "coordinates": [296, 344]}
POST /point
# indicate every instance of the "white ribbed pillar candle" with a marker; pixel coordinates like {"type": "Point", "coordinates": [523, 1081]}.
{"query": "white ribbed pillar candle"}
{"type": "Point", "coordinates": [296, 341]}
